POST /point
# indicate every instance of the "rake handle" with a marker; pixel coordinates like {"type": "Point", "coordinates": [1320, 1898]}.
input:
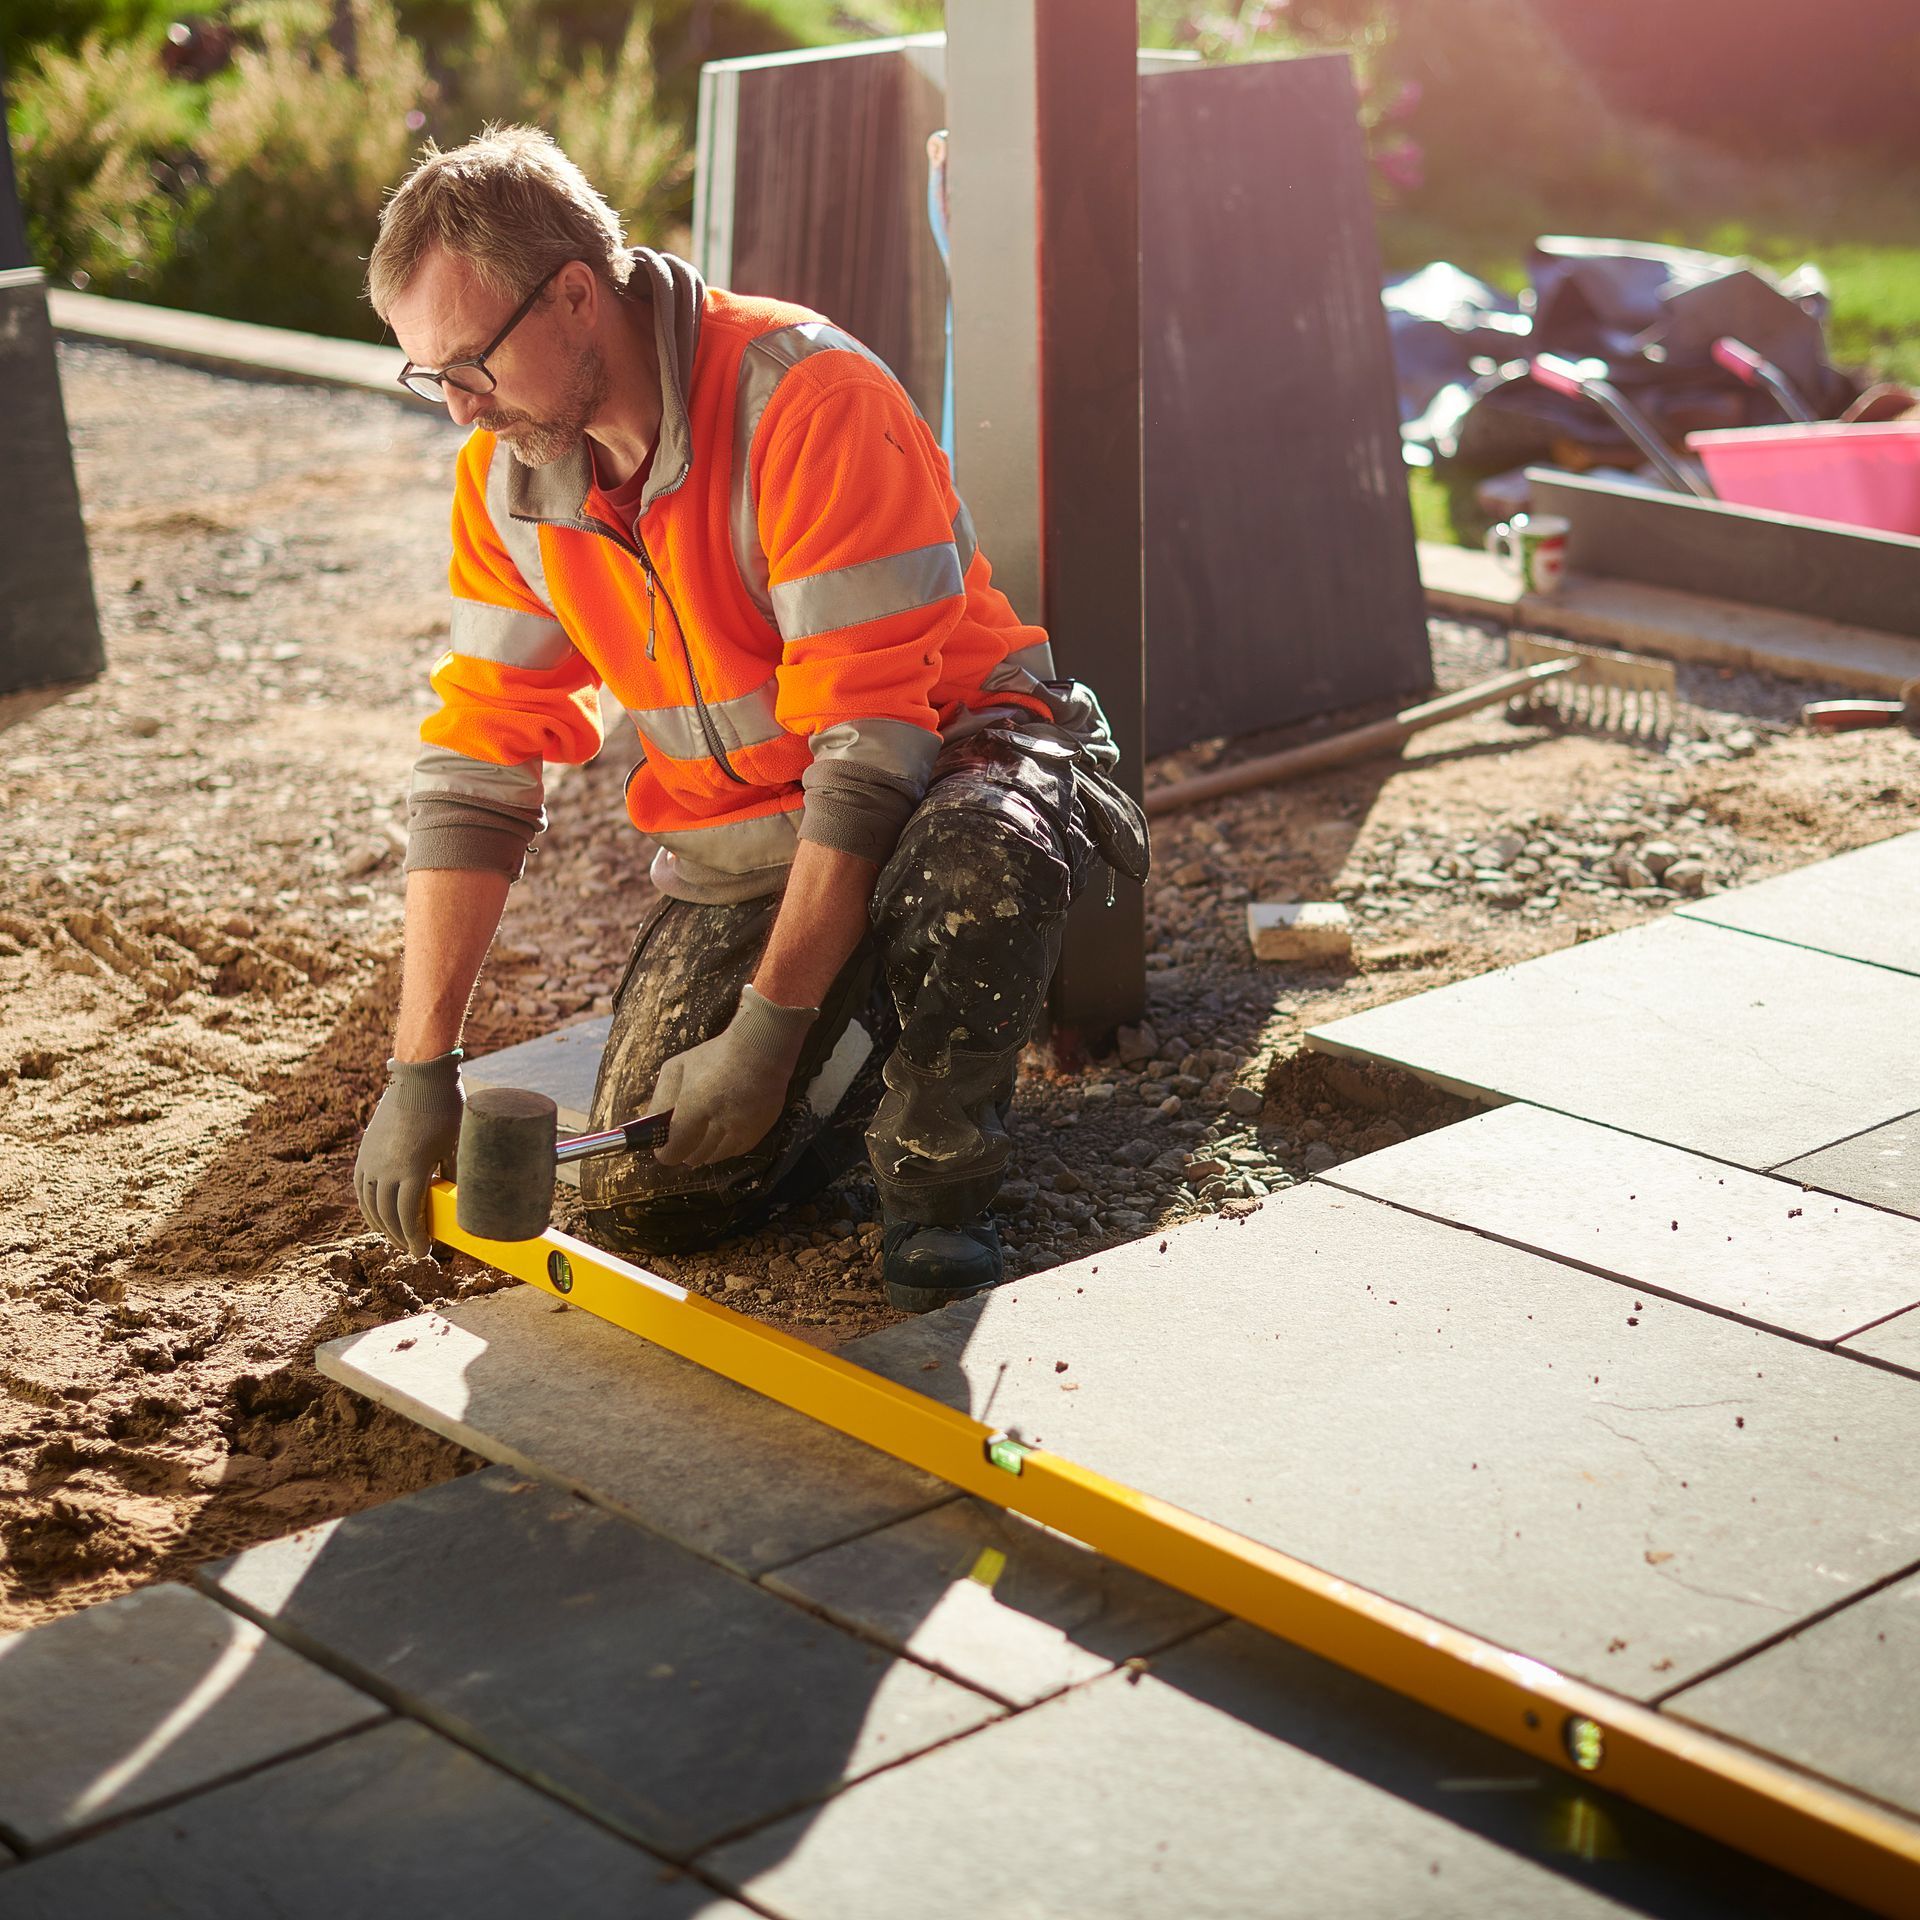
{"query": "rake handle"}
{"type": "Point", "coordinates": [1358, 743]}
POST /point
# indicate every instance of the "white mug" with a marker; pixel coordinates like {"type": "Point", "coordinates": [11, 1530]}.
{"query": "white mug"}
{"type": "Point", "coordinates": [1533, 547]}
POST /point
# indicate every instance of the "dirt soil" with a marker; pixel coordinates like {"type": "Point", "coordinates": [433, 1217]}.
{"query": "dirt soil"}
{"type": "Point", "coordinates": [200, 915]}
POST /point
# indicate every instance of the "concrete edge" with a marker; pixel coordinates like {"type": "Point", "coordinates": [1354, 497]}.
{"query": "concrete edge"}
{"type": "Point", "coordinates": [232, 346]}
{"type": "Point", "coordinates": [1687, 627]}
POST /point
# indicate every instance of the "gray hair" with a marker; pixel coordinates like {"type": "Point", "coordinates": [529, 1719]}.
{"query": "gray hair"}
{"type": "Point", "coordinates": [508, 202]}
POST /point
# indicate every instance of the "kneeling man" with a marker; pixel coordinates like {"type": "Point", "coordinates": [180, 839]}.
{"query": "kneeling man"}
{"type": "Point", "coordinates": [871, 799]}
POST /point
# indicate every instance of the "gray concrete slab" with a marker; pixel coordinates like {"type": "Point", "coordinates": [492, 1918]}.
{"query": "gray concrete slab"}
{"type": "Point", "coordinates": [1881, 1167]}
{"type": "Point", "coordinates": [396, 1821]}
{"type": "Point", "coordinates": [1863, 905]}
{"type": "Point", "coordinates": [670, 1698]}
{"type": "Point", "coordinates": [1239, 1777]}
{"type": "Point", "coordinates": [1743, 1049]}
{"type": "Point", "coordinates": [1839, 1697]}
{"type": "Point", "coordinates": [1896, 1341]}
{"type": "Point", "coordinates": [563, 1065]}
{"type": "Point", "coordinates": [1490, 1436]}
{"type": "Point", "coordinates": [156, 1693]}
{"type": "Point", "coordinates": [1007, 1606]}
{"type": "Point", "coordinates": [521, 1379]}
{"type": "Point", "coordinates": [1657, 1217]}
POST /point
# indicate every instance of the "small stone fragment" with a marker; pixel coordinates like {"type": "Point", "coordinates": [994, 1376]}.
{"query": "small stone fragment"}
{"type": "Point", "coordinates": [1244, 1101]}
{"type": "Point", "coordinates": [1314, 930]}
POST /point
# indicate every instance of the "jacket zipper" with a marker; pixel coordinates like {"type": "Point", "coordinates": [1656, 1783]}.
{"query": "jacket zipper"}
{"type": "Point", "coordinates": [638, 548]}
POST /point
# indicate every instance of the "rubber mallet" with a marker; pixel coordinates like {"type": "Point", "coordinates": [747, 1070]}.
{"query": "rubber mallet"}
{"type": "Point", "coordinates": [510, 1152]}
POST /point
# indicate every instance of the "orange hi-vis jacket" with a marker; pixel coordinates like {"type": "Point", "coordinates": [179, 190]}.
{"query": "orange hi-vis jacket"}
{"type": "Point", "coordinates": [792, 622]}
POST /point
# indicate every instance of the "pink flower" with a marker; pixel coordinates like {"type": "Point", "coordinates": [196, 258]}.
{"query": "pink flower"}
{"type": "Point", "coordinates": [1402, 165]}
{"type": "Point", "coordinates": [1405, 102]}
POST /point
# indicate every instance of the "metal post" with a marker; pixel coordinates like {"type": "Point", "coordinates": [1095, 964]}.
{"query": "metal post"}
{"type": "Point", "coordinates": [1043, 105]}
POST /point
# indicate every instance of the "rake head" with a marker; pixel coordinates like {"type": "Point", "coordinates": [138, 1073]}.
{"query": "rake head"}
{"type": "Point", "coordinates": [1607, 692]}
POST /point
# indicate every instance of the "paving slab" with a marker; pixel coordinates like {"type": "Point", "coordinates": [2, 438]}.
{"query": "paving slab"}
{"type": "Point", "coordinates": [1863, 905]}
{"type": "Point", "coordinates": [1895, 1341]}
{"type": "Point", "coordinates": [666, 1696]}
{"type": "Point", "coordinates": [563, 1065]}
{"type": "Point", "coordinates": [156, 1693]}
{"type": "Point", "coordinates": [1743, 1049]}
{"type": "Point", "coordinates": [1007, 1606]}
{"type": "Point", "coordinates": [1655, 1217]}
{"type": "Point", "coordinates": [396, 1821]}
{"type": "Point", "coordinates": [1838, 1697]}
{"type": "Point", "coordinates": [1881, 1167]}
{"type": "Point", "coordinates": [1239, 1777]}
{"type": "Point", "coordinates": [521, 1379]}
{"type": "Point", "coordinates": [1493, 1437]}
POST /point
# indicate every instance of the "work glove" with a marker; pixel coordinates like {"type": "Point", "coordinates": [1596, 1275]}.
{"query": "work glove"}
{"type": "Point", "coordinates": [727, 1092]}
{"type": "Point", "coordinates": [411, 1136]}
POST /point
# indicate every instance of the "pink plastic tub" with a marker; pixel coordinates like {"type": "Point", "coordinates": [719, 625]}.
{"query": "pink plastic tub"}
{"type": "Point", "coordinates": [1860, 476]}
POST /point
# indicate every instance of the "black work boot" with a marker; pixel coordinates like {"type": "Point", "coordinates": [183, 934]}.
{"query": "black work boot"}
{"type": "Point", "coordinates": [927, 1267]}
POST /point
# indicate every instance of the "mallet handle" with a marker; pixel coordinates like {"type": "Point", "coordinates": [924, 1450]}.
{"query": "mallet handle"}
{"type": "Point", "coordinates": [635, 1137]}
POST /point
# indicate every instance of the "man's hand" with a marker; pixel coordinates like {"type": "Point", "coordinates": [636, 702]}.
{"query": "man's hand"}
{"type": "Point", "coordinates": [727, 1092]}
{"type": "Point", "coordinates": [412, 1134]}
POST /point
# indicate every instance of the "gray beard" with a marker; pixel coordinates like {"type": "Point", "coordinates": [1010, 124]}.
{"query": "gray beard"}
{"type": "Point", "coordinates": [538, 443]}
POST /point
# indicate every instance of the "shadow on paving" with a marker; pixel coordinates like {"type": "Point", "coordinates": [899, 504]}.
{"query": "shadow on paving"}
{"type": "Point", "coordinates": [680, 1706]}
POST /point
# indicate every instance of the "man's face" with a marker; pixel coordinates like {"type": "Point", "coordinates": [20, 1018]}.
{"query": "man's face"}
{"type": "Point", "coordinates": [550, 376]}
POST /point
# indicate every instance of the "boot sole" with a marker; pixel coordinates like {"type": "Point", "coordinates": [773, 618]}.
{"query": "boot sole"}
{"type": "Point", "coordinates": [905, 1299]}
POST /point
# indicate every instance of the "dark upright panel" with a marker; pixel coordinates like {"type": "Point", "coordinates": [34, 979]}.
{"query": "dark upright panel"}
{"type": "Point", "coordinates": [1281, 572]}
{"type": "Point", "coordinates": [1091, 557]}
{"type": "Point", "coordinates": [13, 229]}
{"type": "Point", "coordinates": [824, 179]}
{"type": "Point", "coordinates": [1854, 575]}
{"type": "Point", "coordinates": [49, 629]}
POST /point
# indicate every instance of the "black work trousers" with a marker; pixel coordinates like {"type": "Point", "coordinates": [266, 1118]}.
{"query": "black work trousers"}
{"type": "Point", "coordinates": [915, 1050]}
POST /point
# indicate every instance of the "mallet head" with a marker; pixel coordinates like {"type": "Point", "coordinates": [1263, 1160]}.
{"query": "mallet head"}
{"type": "Point", "coordinates": [504, 1166]}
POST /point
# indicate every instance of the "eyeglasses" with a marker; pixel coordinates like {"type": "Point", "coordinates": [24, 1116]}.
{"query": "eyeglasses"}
{"type": "Point", "coordinates": [472, 375]}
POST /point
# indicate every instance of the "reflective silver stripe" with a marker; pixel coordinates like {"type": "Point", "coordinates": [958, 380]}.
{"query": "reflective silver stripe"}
{"type": "Point", "coordinates": [964, 538]}
{"type": "Point", "coordinates": [1019, 670]}
{"type": "Point", "coordinates": [441, 774]}
{"type": "Point", "coordinates": [759, 375]}
{"type": "Point", "coordinates": [763, 366]}
{"type": "Point", "coordinates": [705, 856]}
{"type": "Point", "coordinates": [895, 747]}
{"type": "Point", "coordinates": [521, 540]}
{"type": "Point", "coordinates": [791, 345]}
{"type": "Point", "coordinates": [747, 720]}
{"type": "Point", "coordinates": [507, 638]}
{"type": "Point", "coordinates": [851, 596]}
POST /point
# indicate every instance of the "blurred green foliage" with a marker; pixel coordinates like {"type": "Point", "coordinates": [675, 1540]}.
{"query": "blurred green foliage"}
{"type": "Point", "coordinates": [100, 137]}
{"type": "Point", "coordinates": [254, 193]}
